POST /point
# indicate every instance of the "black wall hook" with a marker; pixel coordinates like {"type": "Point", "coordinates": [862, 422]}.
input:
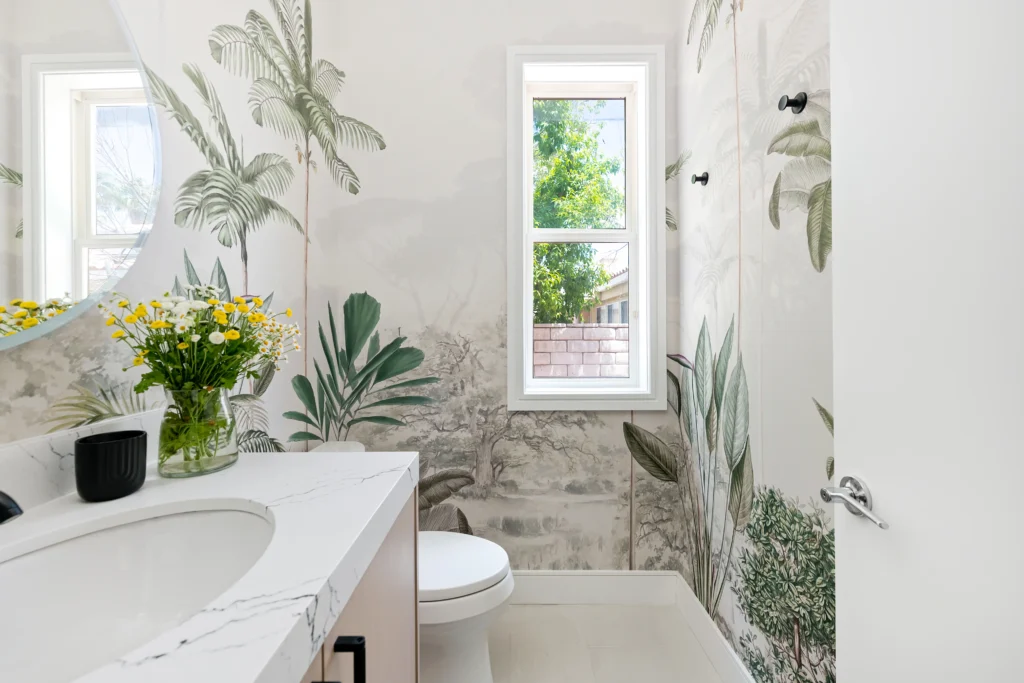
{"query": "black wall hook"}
{"type": "Point", "coordinates": [702, 178]}
{"type": "Point", "coordinates": [797, 103]}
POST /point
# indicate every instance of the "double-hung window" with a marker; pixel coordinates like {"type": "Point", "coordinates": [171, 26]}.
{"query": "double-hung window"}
{"type": "Point", "coordinates": [586, 207]}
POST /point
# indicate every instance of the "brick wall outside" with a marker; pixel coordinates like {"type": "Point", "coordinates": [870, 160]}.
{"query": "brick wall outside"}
{"type": "Point", "coordinates": [581, 350]}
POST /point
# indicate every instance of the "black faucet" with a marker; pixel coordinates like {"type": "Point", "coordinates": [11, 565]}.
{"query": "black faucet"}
{"type": "Point", "coordinates": [8, 508]}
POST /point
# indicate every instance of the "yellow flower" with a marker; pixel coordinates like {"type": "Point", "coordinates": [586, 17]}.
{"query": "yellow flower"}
{"type": "Point", "coordinates": [3, 309]}
{"type": "Point", "coordinates": [11, 333]}
{"type": "Point", "coordinates": [21, 314]}
{"type": "Point", "coordinates": [30, 322]}
{"type": "Point", "coordinates": [243, 308]}
{"type": "Point", "coordinates": [144, 352]}
{"type": "Point", "coordinates": [130, 319]}
{"type": "Point", "coordinates": [258, 301]}
{"type": "Point", "coordinates": [256, 318]}
{"type": "Point", "coordinates": [138, 360]}
{"type": "Point", "coordinates": [59, 312]}
{"type": "Point", "coordinates": [140, 310]}
{"type": "Point", "coordinates": [229, 308]}
{"type": "Point", "coordinates": [239, 300]}
{"type": "Point", "coordinates": [212, 301]}
{"type": "Point", "coordinates": [155, 304]}
{"type": "Point", "coordinates": [232, 335]}
{"type": "Point", "coordinates": [30, 305]}
{"type": "Point", "coordinates": [160, 325]}
{"type": "Point", "coordinates": [123, 304]}
{"type": "Point", "coordinates": [111, 320]}
{"type": "Point", "coordinates": [288, 312]}
{"type": "Point", "coordinates": [15, 302]}
{"type": "Point", "coordinates": [182, 346]}
{"type": "Point", "coordinates": [119, 334]}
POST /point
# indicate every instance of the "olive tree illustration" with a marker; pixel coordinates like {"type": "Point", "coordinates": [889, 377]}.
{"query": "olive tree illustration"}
{"type": "Point", "coordinates": [231, 197]}
{"type": "Point", "coordinates": [787, 589]}
{"type": "Point", "coordinates": [293, 93]}
{"type": "Point", "coordinates": [712, 470]}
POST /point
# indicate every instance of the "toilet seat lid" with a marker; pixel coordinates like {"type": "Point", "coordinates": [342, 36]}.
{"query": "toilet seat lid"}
{"type": "Point", "coordinates": [456, 565]}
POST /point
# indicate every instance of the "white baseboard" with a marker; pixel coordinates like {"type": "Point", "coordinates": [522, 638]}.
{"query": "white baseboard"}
{"type": "Point", "coordinates": [726, 661]}
{"type": "Point", "coordinates": [537, 587]}
{"type": "Point", "coordinates": [541, 587]}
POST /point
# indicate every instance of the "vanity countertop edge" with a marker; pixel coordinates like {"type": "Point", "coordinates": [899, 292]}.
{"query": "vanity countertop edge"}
{"type": "Point", "coordinates": [330, 512]}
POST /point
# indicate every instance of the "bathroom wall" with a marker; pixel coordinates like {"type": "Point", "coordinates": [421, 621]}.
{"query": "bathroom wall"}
{"type": "Point", "coordinates": [774, 281]}
{"type": "Point", "coordinates": [426, 236]}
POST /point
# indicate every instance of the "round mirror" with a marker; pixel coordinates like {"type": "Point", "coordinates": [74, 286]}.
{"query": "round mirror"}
{"type": "Point", "coordinates": [79, 161]}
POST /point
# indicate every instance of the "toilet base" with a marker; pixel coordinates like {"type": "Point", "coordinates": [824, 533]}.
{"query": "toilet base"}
{"type": "Point", "coordinates": [457, 652]}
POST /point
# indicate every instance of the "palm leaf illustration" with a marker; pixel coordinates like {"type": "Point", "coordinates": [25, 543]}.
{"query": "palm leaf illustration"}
{"type": "Point", "coordinates": [230, 197]}
{"type": "Point", "coordinates": [10, 176]}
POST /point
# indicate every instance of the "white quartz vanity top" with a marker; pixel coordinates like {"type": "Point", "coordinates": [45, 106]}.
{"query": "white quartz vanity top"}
{"type": "Point", "coordinates": [330, 511]}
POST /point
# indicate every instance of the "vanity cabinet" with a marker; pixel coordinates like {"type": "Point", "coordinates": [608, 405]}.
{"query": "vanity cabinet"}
{"type": "Point", "coordinates": [383, 609]}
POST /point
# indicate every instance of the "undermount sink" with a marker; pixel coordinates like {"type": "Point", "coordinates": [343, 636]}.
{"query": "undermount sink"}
{"type": "Point", "coordinates": [87, 599]}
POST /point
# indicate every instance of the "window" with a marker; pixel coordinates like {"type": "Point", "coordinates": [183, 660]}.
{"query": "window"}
{"type": "Point", "coordinates": [113, 150]}
{"type": "Point", "coordinates": [586, 210]}
{"type": "Point", "coordinates": [88, 114]}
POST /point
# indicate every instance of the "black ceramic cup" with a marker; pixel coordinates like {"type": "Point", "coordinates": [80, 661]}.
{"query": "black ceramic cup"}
{"type": "Point", "coordinates": [110, 466]}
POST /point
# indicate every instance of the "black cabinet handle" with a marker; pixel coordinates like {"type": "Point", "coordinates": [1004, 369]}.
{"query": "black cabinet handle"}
{"type": "Point", "coordinates": [357, 646]}
{"type": "Point", "coordinates": [702, 178]}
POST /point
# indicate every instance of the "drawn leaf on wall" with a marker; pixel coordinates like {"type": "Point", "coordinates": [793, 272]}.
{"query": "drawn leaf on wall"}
{"type": "Point", "coordinates": [819, 225]}
{"type": "Point", "coordinates": [675, 393]}
{"type": "Point", "coordinates": [736, 415]}
{"type": "Point", "coordinates": [703, 370]}
{"type": "Point", "coordinates": [651, 453]}
{"type": "Point", "coordinates": [826, 417]}
{"type": "Point", "coordinates": [722, 365]}
{"type": "Point", "coordinates": [802, 139]}
{"type": "Point", "coordinates": [830, 467]}
{"type": "Point", "coordinates": [258, 441]}
{"type": "Point", "coordinates": [439, 487]}
{"type": "Point", "coordinates": [741, 490]}
{"type": "Point", "coordinates": [687, 404]}
{"type": "Point", "coordinates": [11, 177]}
{"type": "Point", "coordinates": [773, 203]}
{"type": "Point", "coordinates": [88, 406]}
{"type": "Point", "coordinates": [445, 517]}
{"type": "Point", "coordinates": [710, 9]}
{"type": "Point", "coordinates": [673, 169]}
{"type": "Point", "coordinates": [670, 220]}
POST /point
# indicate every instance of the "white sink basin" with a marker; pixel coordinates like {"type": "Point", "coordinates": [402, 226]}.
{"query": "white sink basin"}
{"type": "Point", "coordinates": [86, 599]}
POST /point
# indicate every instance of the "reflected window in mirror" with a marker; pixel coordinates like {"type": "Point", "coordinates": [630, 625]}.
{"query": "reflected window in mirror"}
{"type": "Point", "coordinates": [82, 227]}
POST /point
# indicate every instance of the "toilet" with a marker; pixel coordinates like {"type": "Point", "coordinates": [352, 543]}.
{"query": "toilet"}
{"type": "Point", "coordinates": [464, 582]}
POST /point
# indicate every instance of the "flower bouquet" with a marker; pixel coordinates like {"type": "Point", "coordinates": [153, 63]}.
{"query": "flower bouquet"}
{"type": "Point", "coordinates": [22, 314]}
{"type": "Point", "coordinates": [197, 348]}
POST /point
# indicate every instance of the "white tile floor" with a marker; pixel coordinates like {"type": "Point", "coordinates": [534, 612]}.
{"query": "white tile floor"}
{"type": "Point", "coordinates": [596, 644]}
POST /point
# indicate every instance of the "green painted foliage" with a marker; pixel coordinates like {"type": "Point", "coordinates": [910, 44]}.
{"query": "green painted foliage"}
{"type": "Point", "coordinates": [344, 389]}
{"type": "Point", "coordinates": [711, 487]}
{"type": "Point", "coordinates": [11, 177]}
{"type": "Point", "coordinates": [786, 589]}
{"type": "Point", "coordinates": [805, 182]}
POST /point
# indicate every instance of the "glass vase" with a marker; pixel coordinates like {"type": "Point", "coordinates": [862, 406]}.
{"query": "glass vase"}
{"type": "Point", "coordinates": [197, 433]}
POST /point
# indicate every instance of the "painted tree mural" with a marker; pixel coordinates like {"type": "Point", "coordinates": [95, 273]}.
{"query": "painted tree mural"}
{"type": "Point", "coordinates": [294, 93]}
{"type": "Point", "coordinates": [11, 177]}
{"type": "Point", "coordinates": [786, 590]}
{"type": "Point", "coordinates": [469, 424]}
{"type": "Point", "coordinates": [231, 198]}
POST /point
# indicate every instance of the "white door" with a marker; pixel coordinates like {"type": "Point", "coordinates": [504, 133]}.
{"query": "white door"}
{"type": "Point", "coordinates": [928, 166]}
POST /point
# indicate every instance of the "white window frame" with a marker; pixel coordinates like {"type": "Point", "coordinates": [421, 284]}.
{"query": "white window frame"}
{"type": "Point", "coordinates": [37, 274]}
{"type": "Point", "coordinates": [636, 74]}
{"type": "Point", "coordinates": [84, 183]}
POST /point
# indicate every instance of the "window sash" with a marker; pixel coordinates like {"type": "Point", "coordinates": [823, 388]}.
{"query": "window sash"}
{"type": "Point", "coordinates": [549, 69]}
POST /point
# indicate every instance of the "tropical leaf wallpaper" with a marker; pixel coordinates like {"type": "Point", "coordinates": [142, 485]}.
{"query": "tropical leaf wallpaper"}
{"type": "Point", "coordinates": [316, 149]}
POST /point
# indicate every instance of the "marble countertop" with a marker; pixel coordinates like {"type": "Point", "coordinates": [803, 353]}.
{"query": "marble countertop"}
{"type": "Point", "coordinates": [330, 511]}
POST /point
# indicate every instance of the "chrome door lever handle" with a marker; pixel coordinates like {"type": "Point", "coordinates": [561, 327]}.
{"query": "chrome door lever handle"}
{"type": "Point", "coordinates": [856, 497]}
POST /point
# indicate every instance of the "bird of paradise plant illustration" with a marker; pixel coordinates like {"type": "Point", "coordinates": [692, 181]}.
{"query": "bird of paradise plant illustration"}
{"type": "Point", "coordinates": [712, 470]}
{"type": "Point", "coordinates": [293, 94]}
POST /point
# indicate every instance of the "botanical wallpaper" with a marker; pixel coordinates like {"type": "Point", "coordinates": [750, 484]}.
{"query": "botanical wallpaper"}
{"type": "Point", "coordinates": [322, 149]}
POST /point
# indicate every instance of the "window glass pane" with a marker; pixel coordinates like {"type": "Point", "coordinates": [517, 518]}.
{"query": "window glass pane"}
{"type": "Point", "coordinates": [103, 264]}
{"type": "Point", "coordinates": [124, 169]}
{"type": "Point", "coordinates": [577, 291]}
{"type": "Point", "coordinates": [579, 152]}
